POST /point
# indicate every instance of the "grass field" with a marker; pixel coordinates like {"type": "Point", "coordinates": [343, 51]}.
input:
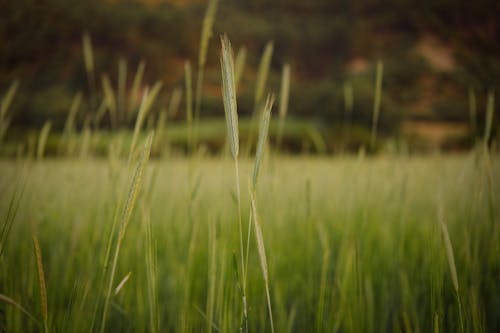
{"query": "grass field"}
{"type": "Point", "coordinates": [353, 244]}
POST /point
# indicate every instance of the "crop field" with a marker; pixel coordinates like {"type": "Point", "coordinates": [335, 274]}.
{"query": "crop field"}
{"type": "Point", "coordinates": [353, 244]}
{"type": "Point", "coordinates": [187, 197]}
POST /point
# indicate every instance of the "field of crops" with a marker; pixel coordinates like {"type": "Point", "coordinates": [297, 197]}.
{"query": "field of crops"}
{"type": "Point", "coordinates": [352, 244]}
{"type": "Point", "coordinates": [125, 214]}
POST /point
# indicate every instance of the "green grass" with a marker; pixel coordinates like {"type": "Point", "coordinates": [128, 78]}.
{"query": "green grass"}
{"type": "Point", "coordinates": [352, 245]}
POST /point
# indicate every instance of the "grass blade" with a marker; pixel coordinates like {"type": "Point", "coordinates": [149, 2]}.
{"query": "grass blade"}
{"type": "Point", "coordinates": [41, 283]}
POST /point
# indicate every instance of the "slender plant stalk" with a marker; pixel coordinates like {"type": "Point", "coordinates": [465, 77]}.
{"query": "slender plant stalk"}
{"type": "Point", "coordinates": [263, 71]}
{"type": "Point", "coordinates": [376, 102]}
{"type": "Point", "coordinates": [451, 262]}
{"type": "Point", "coordinates": [239, 68]}
{"type": "Point", "coordinates": [7, 223]}
{"type": "Point", "coordinates": [490, 110]}
{"type": "Point", "coordinates": [122, 81]}
{"type": "Point", "coordinates": [263, 133]}
{"type": "Point", "coordinates": [174, 102]}
{"type": "Point", "coordinates": [127, 212]}
{"type": "Point", "coordinates": [189, 105]}
{"type": "Point", "coordinates": [42, 139]}
{"type": "Point", "coordinates": [262, 74]}
{"type": "Point", "coordinates": [69, 126]}
{"type": "Point", "coordinates": [230, 108]}
{"type": "Point", "coordinates": [212, 274]}
{"type": "Point", "coordinates": [284, 95]}
{"type": "Point", "coordinates": [262, 255]}
{"type": "Point", "coordinates": [88, 60]}
{"type": "Point", "coordinates": [206, 34]}
{"type": "Point", "coordinates": [41, 284]}
{"type": "Point", "coordinates": [4, 107]}
{"type": "Point", "coordinates": [151, 268]}
{"type": "Point", "coordinates": [109, 97]}
{"type": "Point", "coordinates": [147, 101]}
{"type": "Point", "coordinates": [136, 85]}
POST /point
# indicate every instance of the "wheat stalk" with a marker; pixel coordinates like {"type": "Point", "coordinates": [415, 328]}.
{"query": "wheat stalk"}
{"type": "Point", "coordinates": [122, 81]}
{"type": "Point", "coordinates": [451, 261]}
{"type": "Point", "coordinates": [147, 102]}
{"type": "Point", "coordinates": [109, 97]}
{"type": "Point", "coordinates": [283, 107]}
{"type": "Point", "coordinates": [189, 104]}
{"type": "Point", "coordinates": [241, 58]}
{"type": "Point", "coordinates": [230, 109]}
{"type": "Point", "coordinates": [88, 55]}
{"type": "Point", "coordinates": [376, 102]}
{"type": "Point", "coordinates": [127, 212]}
{"type": "Point", "coordinates": [136, 85]}
{"type": "Point", "coordinates": [229, 95]}
{"type": "Point", "coordinates": [262, 255]}
{"type": "Point", "coordinates": [42, 139]}
{"type": "Point", "coordinates": [206, 34]}
{"type": "Point", "coordinates": [264, 128]}
{"type": "Point", "coordinates": [490, 110]}
{"type": "Point", "coordinates": [41, 283]}
{"type": "Point", "coordinates": [262, 73]}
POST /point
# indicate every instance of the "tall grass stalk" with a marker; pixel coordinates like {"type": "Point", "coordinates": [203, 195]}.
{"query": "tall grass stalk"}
{"type": "Point", "coordinates": [109, 97]}
{"type": "Point", "coordinates": [127, 212]}
{"type": "Point", "coordinates": [42, 139]}
{"type": "Point", "coordinates": [174, 102]}
{"type": "Point", "coordinates": [263, 133]}
{"type": "Point", "coordinates": [264, 129]}
{"type": "Point", "coordinates": [283, 106]}
{"type": "Point", "coordinates": [69, 126]}
{"type": "Point", "coordinates": [86, 139]}
{"type": "Point", "coordinates": [230, 109]}
{"type": "Point", "coordinates": [490, 110]}
{"type": "Point", "coordinates": [206, 34]}
{"type": "Point", "coordinates": [212, 275]}
{"type": "Point", "coordinates": [122, 81]}
{"type": "Point", "coordinates": [451, 263]}
{"type": "Point", "coordinates": [241, 58]}
{"type": "Point", "coordinates": [136, 85]}
{"type": "Point", "coordinates": [88, 60]}
{"type": "Point", "coordinates": [262, 73]}
{"type": "Point", "coordinates": [376, 102]}
{"type": "Point", "coordinates": [4, 107]}
{"type": "Point", "coordinates": [41, 284]}
{"type": "Point", "coordinates": [151, 271]}
{"type": "Point", "coordinates": [147, 101]}
{"type": "Point", "coordinates": [348, 108]}
{"type": "Point", "coordinates": [262, 255]}
{"type": "Point", "coordinates": [189, 105]}
{"type": "Point", "coordinates": [12, 209]}
{"type": "Point", "coordinates": [260, 85]}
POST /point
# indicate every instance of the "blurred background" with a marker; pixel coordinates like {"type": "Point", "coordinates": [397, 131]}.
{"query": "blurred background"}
{"type": "Point", "coordinates": [440, 60]}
